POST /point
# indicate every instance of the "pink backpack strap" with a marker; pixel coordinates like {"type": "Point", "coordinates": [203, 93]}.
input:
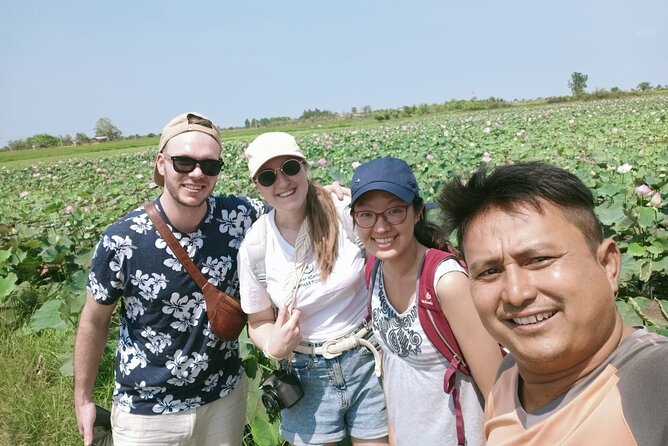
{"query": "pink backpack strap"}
{"type": "Point", "coordinates": [438, 330]}
{"type": "Point", "coordinates": [370, 269]}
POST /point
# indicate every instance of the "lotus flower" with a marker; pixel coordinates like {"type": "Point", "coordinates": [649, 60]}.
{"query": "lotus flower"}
{"type": "Point", "coordinates": [643, 190]}
{"type": "Point", "coordinates": [656, 200]}
{"type": "Point", "coordinates": [624, 168]}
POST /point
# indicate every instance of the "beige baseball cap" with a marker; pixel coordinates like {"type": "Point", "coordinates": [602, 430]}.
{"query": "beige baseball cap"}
{"type": "Point", "coordinates": [270, 145]}
{"type": "Point", "coordinates": [186, 122]}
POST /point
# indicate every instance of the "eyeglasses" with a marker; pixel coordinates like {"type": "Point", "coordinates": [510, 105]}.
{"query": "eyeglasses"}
{"type": "Point", "coordinates": [185, 164]}
{"type": "Point", "coordinates": [395, 215]}
{"type": "Point", "coordinates": [268, 177]}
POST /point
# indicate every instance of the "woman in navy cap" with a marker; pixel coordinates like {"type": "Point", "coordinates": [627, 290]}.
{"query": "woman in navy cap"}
{"type": "Point", "coordinates": [389, 216]}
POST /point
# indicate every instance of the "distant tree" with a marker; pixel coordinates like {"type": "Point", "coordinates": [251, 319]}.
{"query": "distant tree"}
{"type": "Point", "coordinates": [65, 140]}
{"type": "Point", "coordinates": [615, 90]}
{"type": "Point", "coordinates": [644, 86]}
{"type": "Point", "coordinates": [317, 114]}
{"type": "Point", "coordinates": [353, 110]}
{"type": "Point", "coordinates": [43, 140]}
{"type": "Point", "coordinates": [578, 83]}
{"type": "Point", "coordinates": [81, 138]}
{"type": "Point", "coordinates": [246, 123]}
{"type": "Point", "coordinates": [366, 109]}
{"type": "Point", "coordinates": [20, 144]}
{"type": "Point", "coordinates": [104, 127]}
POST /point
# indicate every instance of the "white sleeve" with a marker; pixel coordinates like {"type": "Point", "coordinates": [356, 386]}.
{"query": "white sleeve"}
{"type": "Point", "coordinates": [446, 267]}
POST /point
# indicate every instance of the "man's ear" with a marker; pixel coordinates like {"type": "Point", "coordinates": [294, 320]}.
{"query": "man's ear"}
{"type": "Point", "coordinates": [610, 258]}
{"type": "Point", "coordinates": [160, 163]}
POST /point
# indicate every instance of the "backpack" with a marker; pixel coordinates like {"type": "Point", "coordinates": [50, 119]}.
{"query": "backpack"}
{"type": "Point", "coordinates": [434, 323]}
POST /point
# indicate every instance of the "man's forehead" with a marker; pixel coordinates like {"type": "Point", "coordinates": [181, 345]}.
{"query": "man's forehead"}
{"type": "Point", "coordinates": [477, 230]}
{"type": "Point", "coordinates": [193, 139]}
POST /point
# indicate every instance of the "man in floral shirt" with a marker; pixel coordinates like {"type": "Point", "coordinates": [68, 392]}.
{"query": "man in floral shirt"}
{"type": "Point", "coordinates": [176, 382]}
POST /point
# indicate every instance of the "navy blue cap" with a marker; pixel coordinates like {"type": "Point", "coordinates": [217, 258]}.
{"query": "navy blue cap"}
{"type": "Point", "coordinates": [392, 175]}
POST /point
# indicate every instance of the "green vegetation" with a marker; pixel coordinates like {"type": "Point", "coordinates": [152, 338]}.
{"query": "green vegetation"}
{"type": "Point", "coordinates": [53, 211]}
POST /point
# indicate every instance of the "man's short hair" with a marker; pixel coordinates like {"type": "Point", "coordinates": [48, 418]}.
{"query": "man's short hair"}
{"type": "Point", "coordinates": [511, 187]}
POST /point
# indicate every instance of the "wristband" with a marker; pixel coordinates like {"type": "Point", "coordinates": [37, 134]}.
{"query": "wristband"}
{"type": "Point", "coordinates": [266, 353]}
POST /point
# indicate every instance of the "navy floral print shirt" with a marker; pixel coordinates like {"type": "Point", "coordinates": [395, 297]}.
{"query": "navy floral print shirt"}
{"type": "Point", "coordinates": [167, 358]}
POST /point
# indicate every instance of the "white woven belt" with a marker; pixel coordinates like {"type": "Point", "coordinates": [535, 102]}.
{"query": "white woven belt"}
{"type": "Point", "coordinates": [333, 348]}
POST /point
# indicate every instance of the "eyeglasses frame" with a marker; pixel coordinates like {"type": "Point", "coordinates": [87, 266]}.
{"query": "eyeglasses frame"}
{"type": "Point", "coordinates": [275, 171]}
{"type": "Point", "coordinates": [382, 214]}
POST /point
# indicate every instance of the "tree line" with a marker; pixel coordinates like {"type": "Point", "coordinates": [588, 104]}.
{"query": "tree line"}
{"type": "Point", "coordinates": [105, 130]}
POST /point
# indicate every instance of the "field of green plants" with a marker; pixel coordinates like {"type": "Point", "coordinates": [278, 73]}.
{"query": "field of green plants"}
{"type": "Point", "coordinates": [51, 214]}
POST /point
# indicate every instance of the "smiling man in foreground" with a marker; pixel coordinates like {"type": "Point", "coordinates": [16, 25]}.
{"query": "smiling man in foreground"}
{"type": "Point", "coordinates": [543, 280]}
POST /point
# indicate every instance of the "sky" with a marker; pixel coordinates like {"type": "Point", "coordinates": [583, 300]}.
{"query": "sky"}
{"type": "Point", "coordinates": [65, 64]}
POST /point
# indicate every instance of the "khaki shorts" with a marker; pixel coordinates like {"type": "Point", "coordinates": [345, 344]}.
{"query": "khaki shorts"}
{"type": "Point", "coordinates": [220, 423]}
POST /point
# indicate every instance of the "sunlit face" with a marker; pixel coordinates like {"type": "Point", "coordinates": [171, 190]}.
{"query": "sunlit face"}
{"type": "Point", "coordinates": [288, 193]}
{"type": "Point", "coordinates": [188, 189]}
{"type": "Point", "coordinates": [538, 288]}
{"type": "Point", "coordinates": [385, 240]}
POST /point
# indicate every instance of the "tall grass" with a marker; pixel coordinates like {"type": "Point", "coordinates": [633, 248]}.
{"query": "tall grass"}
{"type": "Point", "coordinates": [35, 397]}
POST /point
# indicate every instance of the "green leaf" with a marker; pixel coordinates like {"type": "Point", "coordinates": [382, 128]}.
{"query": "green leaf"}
{"type": "Point", "coordinates": [7, 285]}
{"type": "Point", "coordinates": [4, 255]}
{"type": "Point", "coordinates": [610, 214]}
{"type": "Point", "coordinates": [264, 432]}
{"type": "Point", "coordinates": [661, 265]}
{"type": "Point", "coordinates": [48, 316]}
{"type": "Point", "coordinates": [608, 190]}
{"type": "Point", "coordinates": [646, 217]}
{"type": "Point", "coordinates": [645, 270]}
{"type": "Point", "coordinates": [636, 250]}
{"type": "Point", "coordinates": [628, 313]}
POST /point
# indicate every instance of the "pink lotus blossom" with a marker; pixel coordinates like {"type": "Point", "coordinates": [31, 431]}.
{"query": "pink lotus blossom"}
{"type": "Point", "coordinates": [643, 190]}
{"type": "Point", "coordinates": [486, 157]}
{"type": "Point", "coordinates": [656, 200]}
{"type": "Point", "coordinates": [322, 162]}
{"type": "Point", "coordinates": [69, 209]}
{"type": "Point", "coordinates": [430, 157]}
{"type": "Point", "coordinates": [23, 194]}
{"type": "Point", "coordinates": [615, 130]}
{"type": "Point", "coordinates": [486, 130]}
{"type": "Point", "coordinates": [624, 168]}
{"type": "Point", "coordinates": [356, 164]}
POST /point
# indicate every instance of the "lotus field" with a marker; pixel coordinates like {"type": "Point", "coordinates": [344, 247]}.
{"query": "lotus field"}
{"type": "Point", "coordinates": [52, 214]}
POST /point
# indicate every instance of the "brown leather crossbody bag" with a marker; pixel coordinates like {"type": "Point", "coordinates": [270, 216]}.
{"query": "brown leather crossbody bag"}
{"type": "Point", "coordinates": [226, 317]}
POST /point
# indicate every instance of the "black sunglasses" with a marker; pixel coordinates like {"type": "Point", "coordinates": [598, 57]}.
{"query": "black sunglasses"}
{"type": "Point", "coordinates": [185, 164]}
{"type": "Point", "coordinates": [268, 177]}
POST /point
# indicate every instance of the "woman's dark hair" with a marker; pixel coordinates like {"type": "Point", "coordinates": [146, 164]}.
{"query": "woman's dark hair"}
{"type": "Point", "coordinates": [427, 233]}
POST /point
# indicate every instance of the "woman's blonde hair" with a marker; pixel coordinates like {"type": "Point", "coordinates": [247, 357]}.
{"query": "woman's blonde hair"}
{"type": "Point", "coordinates": [324, 224]}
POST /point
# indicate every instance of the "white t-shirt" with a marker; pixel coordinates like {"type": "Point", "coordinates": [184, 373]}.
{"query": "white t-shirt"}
{"type": "Point", "coordinates": [413, 370]}
{"type": "Point", "coordinates": [329, 309]}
